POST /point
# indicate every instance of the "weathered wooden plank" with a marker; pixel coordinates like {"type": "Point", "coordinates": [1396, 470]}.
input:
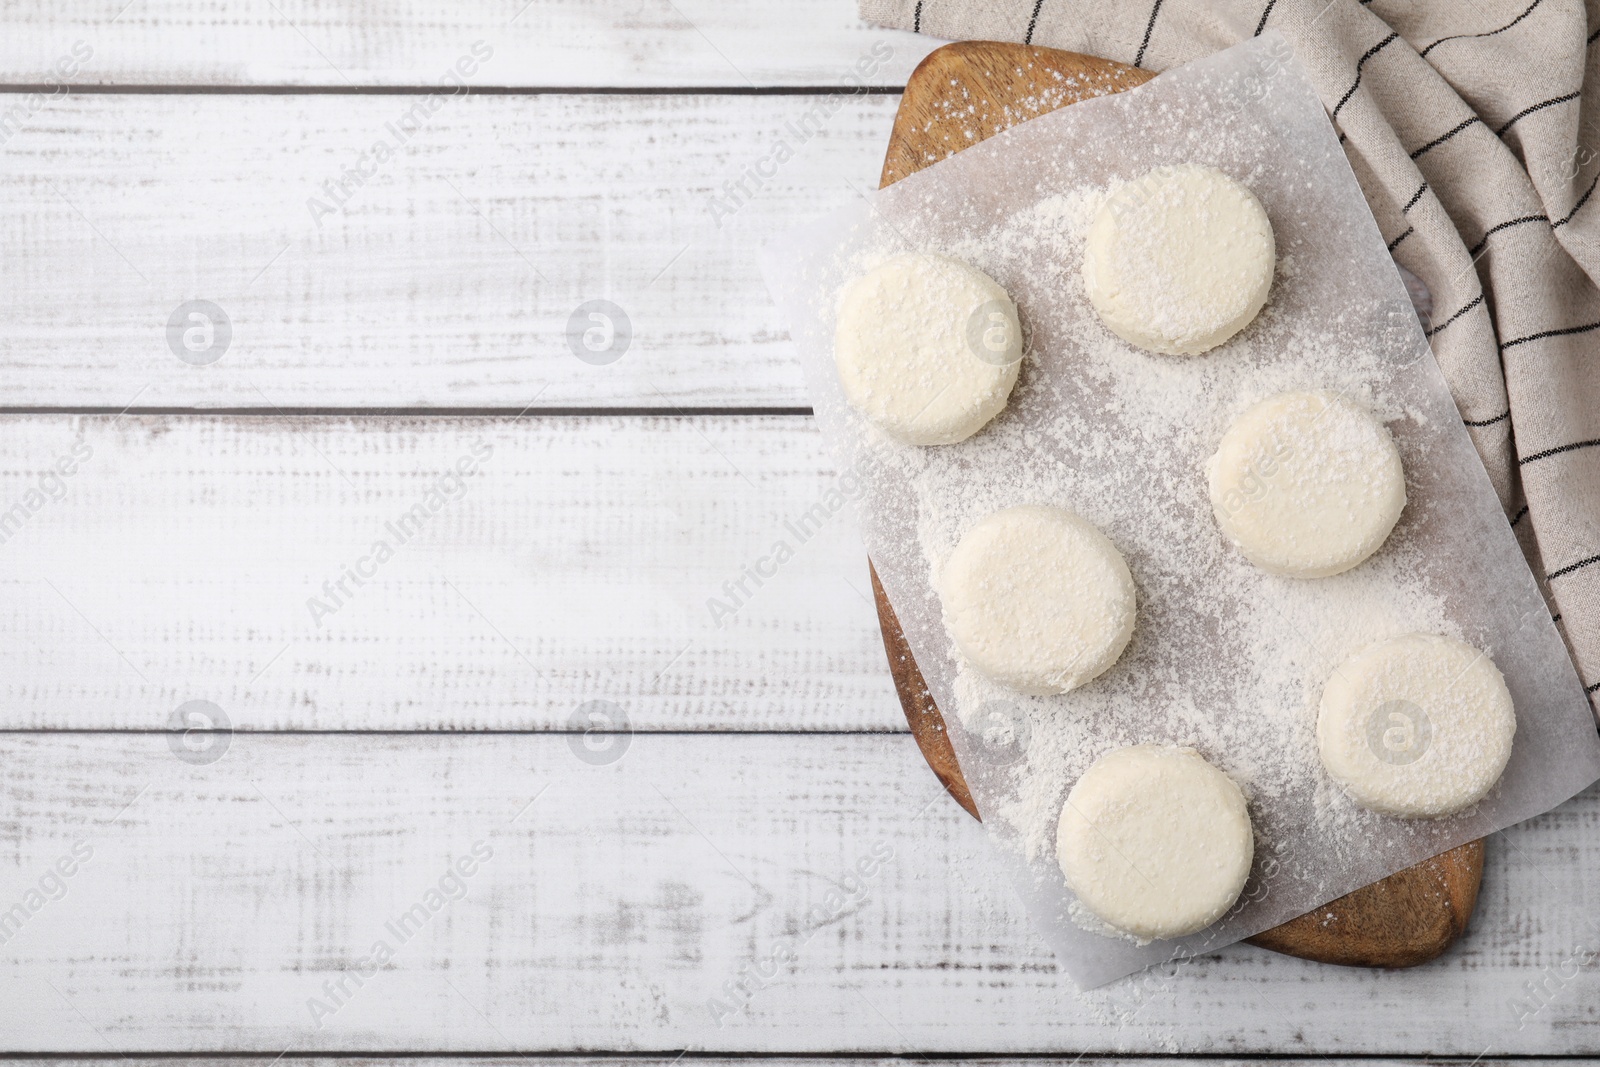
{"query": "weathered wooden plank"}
{"type": "Point", "coordinates": [534, 43]}
{"type": "Point", "coordinates": [432, 573]}
{"type": "Point", "coordinates": [617, 907]}
{"type": "Point", "coordinates": [458, 272]}
{"type": "Point", "coordinates": [523, 1060]}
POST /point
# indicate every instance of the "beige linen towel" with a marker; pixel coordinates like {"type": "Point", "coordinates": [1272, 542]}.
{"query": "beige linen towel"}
{"type": "Point", "coordinates": [1467, 126]}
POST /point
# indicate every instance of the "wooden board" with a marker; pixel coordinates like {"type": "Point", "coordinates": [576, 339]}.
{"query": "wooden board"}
{"type": "Point", "coordinates": [542, 44]}
{"type": "Point", "coordinates": [448, 279]}
{"type": "Point", "coordinates": [221, 896]}
{"type": "Point", "coordinates": [959, 95]}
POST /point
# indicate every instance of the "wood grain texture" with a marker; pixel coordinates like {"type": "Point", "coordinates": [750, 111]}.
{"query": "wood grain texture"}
{"type": "Point", "coordinates": [220, 896]}
{"type": "Point", "coordinates": [922, 714]}
{"type": "Point", "coordinates": [628, 896]}
{"type": "Point", "coordinates": [1406, 919]}
{"type": "Point", "coordinates": [576, 561]}
{"type": "Point", "coordinates": [451, 274]}
{"type": "Point", "coordinates": [971, 90]}
{"type": "Point", "coordinates": [559, 43]}
{"type": "Point", "coordinates": [664, 1059]}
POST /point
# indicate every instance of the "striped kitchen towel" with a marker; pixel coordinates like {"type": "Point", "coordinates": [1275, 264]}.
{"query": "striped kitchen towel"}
{"type": "Point", "coordinates": [1468, 129]}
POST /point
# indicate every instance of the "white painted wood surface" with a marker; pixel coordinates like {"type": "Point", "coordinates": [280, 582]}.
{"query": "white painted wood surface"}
{"type": "Point", "coordinates": [238, 560]}
{"type": "Point", "coordinates": [220, 897]}
{"type": "Point", "coordinates": [176, 563]}
{"type": "Point", "coordinates": [544, 43]}
{"type": "Point", "coordinates": [448, 278]}
{"type": "Point", "coordinates": [666, 1058]}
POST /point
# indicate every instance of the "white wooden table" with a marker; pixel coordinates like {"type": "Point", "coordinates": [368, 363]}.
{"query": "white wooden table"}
{"type": "Point", "coordinates": [754, 861]}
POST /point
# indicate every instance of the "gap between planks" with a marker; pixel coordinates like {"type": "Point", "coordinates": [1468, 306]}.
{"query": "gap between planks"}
{"type": "Point", "coordinates": [419, 413]}
{"type": "Point", "coordinates": [111, 89]}
{"type": "Point", "coordinates": [605, 1058]}
{"type": "Point", "coordinates": [203, 557]}
{"type": "Point", "coordinates": [365, 43]}
{"type": "Point", "coordinates": [464, 272]}
{"type": "Point", "coordinates": [221, 895]}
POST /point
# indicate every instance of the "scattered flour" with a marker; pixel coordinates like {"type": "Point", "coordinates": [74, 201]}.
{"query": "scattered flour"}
{"type": "Point", "coordinates": [1085, 919]}
{"type": "Point", "coordinates": [1224, 657]}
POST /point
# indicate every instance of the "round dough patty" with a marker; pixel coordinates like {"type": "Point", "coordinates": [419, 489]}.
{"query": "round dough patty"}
{"type": "Point", "coordinates": [1307, 484]}
{"type": "Point", "coordinates": [927, 348]}
{"type": "Point", "coordinates": [1155, 841]}
{"type": "Point", "coordinates": [1180, 260]}
{"type": "Point", "coordinates": [1420, 725]}
{"type": "Point", "coordinates": [1038, 599]}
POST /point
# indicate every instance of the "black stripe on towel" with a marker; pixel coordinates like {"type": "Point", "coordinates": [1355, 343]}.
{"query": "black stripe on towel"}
{"type": "Point", "coordinates": [1491, 33]}
{"type": "Point", "coordinates": [1437, 141]}
{"type": "Point", "coordinates": [1374, 50]}
{"type": "Point", "coordinates": [1264, 13]}
{"type": "Point", "coordinates": [1033, 20]}
{"type": "Point", "coordinates": [1569, 569]}
{"type": "Point", "coordinates": [1582, 200]}
{"type": "Point", "coordinates": [1547, 453]}
{"type": "Point", "coordinates": [1149, 28]}
{"type": "Point", "coordinates": [1568, 331]}
{"type": "Point", "coordinates": [1525, 112]}
{"type": "Point", "coordinates": [1492, 230]}
{"type": "Point", "coordinates": [1476, 301]}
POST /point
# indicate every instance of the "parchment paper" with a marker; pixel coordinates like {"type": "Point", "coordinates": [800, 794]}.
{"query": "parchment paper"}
{"type": "Point", "coordinates": [1224, 658]}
